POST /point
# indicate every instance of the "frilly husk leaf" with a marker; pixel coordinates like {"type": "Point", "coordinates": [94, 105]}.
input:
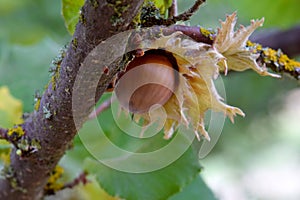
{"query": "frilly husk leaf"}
{"type": "Point", "coordinates": [196, 93]}
{"type": "Point", "coordinates": [199, 64]}
{"type": "Point", "coordinates": [231, 44]}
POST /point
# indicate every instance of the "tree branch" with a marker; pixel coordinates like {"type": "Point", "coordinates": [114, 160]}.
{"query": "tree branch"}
{"type": "Point", "coordinates": [103, 106]}
{"type": "Point", "coordinates": [149, 18]}
{"type": "Point", "coordinates": [80, 179]}
{"type": "Point", "coordinates": [189, 13]}
{"type": "Point", "coordinates": [52, 124]}
{"type": "Point", "coordinates": [275, 60]}
{"type": "Point", "coordinates": [192, 31]}
{"type": "Point", "coordinates": [173, 9]}
{"type": "Point", "coordinates": [289, 41]}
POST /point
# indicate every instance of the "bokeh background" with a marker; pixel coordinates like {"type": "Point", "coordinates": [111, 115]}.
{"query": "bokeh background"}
{"type": "Point", "coordinates": [258, 157]}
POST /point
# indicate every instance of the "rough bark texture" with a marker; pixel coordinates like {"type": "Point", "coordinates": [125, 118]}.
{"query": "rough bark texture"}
{"type": "Point", "coordinates": [100, 20]}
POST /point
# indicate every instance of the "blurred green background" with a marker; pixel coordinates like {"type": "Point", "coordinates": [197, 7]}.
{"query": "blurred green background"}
{"type": "Point", "coordinates": [258, 157]}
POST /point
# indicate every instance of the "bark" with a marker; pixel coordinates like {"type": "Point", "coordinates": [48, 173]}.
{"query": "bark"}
{"type": "Point", "coordinates": [55, 129]}
{"type": "Point", "coordinates": [286, 40]}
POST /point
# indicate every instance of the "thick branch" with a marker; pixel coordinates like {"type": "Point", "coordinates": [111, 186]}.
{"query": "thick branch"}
{"type": "Point", "coordinates": [52, 124]}
{"type": "Point", "coordinates": [192, 31]}
{"type": "Point", "coordinates": [287, 40]}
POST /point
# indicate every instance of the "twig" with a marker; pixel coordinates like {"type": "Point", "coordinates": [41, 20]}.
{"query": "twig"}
{"type": "Point", "coordinates": [184, 16]}
{"type": "Point", "coordinates": [187, 14]}
{"type": "Point", "coordinates": [173, 9]}
{"type": "Point", "coordinates": [12, 135]}
{"type": "Point", "coordinates": [149, 17]}
{"type": "Point", "coordinates": [3, 134]}
{"type": "Point", "coordinates": [80, 179]}
{"type": "Point", "coordinates": [276, 60]}
{"type": "Point", "coordinates": [103, 106]}
{"type": "Point", "coordinates": [55, 188]}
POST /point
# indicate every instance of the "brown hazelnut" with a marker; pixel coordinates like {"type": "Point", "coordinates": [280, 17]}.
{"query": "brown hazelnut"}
{"type": "Point", "coordinates": [147, 81]}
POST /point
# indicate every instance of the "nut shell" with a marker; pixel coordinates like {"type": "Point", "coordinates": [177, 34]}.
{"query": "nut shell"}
{"type": "Point", "coordinates": [148, 80]}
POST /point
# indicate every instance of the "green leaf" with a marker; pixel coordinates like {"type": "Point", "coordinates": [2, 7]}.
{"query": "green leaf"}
{"type": "Point", "coordinates": [197, 189]}
{"type": "Point", "coordinates": [155, 185]}
{"type": "Point", "coordinates": [70, 12]}
{"type": "Point", "coordinates": [152, 185]}
{"type": "Point", "coordinates": [10, 114]}
{"type": "Point", "coordinates": [163, 5]}
{"type": "Point", "coordinates": [92, 190]}
{"type": "Point", "coordinates": [10, 109]}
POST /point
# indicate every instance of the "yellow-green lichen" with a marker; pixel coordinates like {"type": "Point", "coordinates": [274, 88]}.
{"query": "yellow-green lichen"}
{"type": "Point", "coordinates": [55, 77]}
{"type": "Point", "coordinates": [37, 104]}
{"type": "Point", "coordinates": [207, 33]}
{"type": "Point", "coordinates": [53, 183]}
{"type": "Point", "coordinates": [270, 55]}
{"type": "Point", "coordinates": [16, 132]}
{"type": "Point", "coordinates": [19, 152]}
{"type": "Point", "coordinates": [259, 47]}
{"type": "Point", "coordinates": [74, 43]}
{"type": "Point", "coordinates": [274, 57]}
{"type": "Point", "coordinates": [53, 82]}
{"type": "Point", "coordinates": [280, 59]}
{"type": "Point", "coordinates": [119, 8]}
{"type": "Point", "coordinates": [94, 3]}
{"type": "Point", "coordinates": [56, 65]}
{"type": "Point", "coordinates": [289, 64]}
{"type": "Point", "coordinates": [29, 146]}
{"type": "Point", "coordinates": [254, 46]}
{"type": "Point", "coordinates": [37, 100]}
{"type": "Point", "coordinates": [150, 15]}
{"type": "Point", "coordinates": [249, 43]}
{"type": "Point", "coordinates": [137, 19]}
{"type": "Point", "coordinates": [82, 18]}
